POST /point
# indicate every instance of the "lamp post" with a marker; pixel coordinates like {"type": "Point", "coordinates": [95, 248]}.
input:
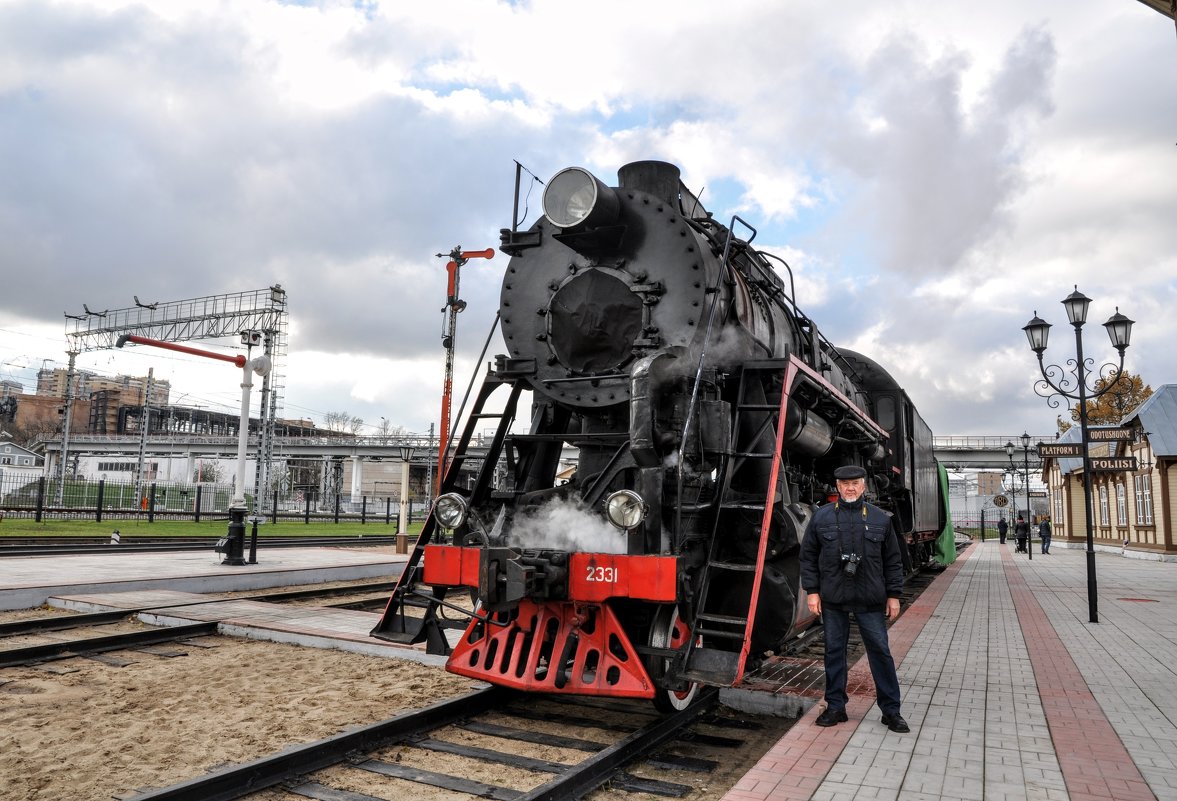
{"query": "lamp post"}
{"type": "Point", "coordinates": [1013, 484]}
{"type": "Point", "coordinates": [1009, 451]}
{"type": "Point", "coordinates": [1055, 382]}
{"type": "Point", "coordinates": [402, 532]}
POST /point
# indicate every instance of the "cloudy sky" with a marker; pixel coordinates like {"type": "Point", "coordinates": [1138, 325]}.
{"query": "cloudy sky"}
{"type": "Point", "coordinates": [933, 172]}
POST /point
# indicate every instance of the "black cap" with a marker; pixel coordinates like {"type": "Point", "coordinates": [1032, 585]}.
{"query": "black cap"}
{"type": "Point", "coordinates": [849, 472]}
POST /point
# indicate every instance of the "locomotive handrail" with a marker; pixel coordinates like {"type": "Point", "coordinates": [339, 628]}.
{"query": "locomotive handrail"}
{"type": "Point", "coordinates": [792, 284]}
{"type": "Point", "coordinates": [594, 377]}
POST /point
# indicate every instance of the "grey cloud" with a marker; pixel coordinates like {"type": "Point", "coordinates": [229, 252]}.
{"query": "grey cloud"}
{"type": "Point", "coordinates": [937, 179]}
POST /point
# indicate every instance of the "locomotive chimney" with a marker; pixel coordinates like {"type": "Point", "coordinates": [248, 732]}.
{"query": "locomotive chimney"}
{"type": "Point", "coordinates": [657, 178]}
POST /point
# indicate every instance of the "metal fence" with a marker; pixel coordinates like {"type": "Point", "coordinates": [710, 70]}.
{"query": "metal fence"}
{"type": "Point", "coordinates": [33, 496]}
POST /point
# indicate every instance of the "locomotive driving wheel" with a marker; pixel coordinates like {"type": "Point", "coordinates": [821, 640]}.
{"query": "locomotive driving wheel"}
{"type": "Point", "coordinates": [668, 630]}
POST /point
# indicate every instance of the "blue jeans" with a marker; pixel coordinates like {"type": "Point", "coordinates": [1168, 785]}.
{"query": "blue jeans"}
{"type": "Point", "coordinates": [873, 628]}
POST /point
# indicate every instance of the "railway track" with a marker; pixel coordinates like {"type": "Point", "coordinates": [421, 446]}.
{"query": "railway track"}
{"type": "Point", "coordinates": [90, 645]}
{"type": "Point", "coordinates": [63, 546]}
{"type": "Point", "coordinates": [373, 755]}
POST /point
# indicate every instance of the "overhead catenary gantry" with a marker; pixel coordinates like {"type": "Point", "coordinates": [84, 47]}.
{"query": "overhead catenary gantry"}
{"type": "Point", "coordinates": [209, 317]}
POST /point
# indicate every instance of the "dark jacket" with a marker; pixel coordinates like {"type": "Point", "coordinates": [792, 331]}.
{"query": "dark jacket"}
{"type": "Point", "coordinates": [840, 529]}
{"type": "Point", "coordinates": [1002, 526]}
{"type": "Point", "coordinates": [1022, 529]}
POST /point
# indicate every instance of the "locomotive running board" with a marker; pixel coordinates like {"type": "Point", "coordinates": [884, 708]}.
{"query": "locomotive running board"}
{"type": "Point", "coordinates": [721, 666]}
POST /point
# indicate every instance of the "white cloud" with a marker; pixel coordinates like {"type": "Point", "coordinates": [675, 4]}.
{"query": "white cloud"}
{"type": "Point", "coordinates": [931, 176]}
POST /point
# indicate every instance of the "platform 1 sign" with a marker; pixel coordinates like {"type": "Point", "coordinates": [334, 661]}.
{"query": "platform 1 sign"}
{"type": "Point", "coordinates": [1107, 464]}
{"type": "Point", "coordinates": [1057, 450]}
{"type": "Point", "coordinates": [1110, 435]}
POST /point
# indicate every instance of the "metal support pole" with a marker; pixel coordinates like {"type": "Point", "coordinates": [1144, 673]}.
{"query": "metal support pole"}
{"type": "Point", "coordinates": [235, 545]}
{"type": "Point", "coordinates": [67, 423]}
{"type": "Point", "coordinates": [1092, 588]}
{"type": "Point", "coordinates": [144, 427]}
{"type": "Point", "coordinates": [1029, 511]}
{"type": "Point", "coordinates": [253, 542]}
{"type": "Point", "coordinates": [402, 531]}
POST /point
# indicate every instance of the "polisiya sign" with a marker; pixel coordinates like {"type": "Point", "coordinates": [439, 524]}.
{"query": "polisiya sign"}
{"type": "Point", "coordinates": [1113, 463]}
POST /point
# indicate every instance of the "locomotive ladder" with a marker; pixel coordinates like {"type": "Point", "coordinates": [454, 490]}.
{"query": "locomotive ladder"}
{"type": "Point", "coordinates": [704, 662]}
{"type": "Point", "coordinates": [395, 625]}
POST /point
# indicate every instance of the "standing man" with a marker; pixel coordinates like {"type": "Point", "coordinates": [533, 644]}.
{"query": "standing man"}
{"type": "Point", "coordinates": [1002, 529]}
{"type": "Point", "coordinates": [1044, 534]}
{"type": "Point", "coordinates": [1022, 533]}
{"type": "Point", "coordinates": [850, 563]}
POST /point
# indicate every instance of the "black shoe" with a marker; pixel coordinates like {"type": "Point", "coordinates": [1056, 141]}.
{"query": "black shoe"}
{"type": "Point", "coordinates": [831, 716]}
{"type": "Point", "coordinates": [896, 723]}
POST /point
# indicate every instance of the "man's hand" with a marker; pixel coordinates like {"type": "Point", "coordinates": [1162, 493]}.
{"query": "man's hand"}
{"type": "Point", "coordinates": [892, 608]}
{"type": "Point", "coordinates": [814, 601]}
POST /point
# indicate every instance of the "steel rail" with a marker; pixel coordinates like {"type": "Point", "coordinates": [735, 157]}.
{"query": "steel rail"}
{"type": "Point", "coordinates": [94, 645]}
{"type": "Point", "coordinates": [597, 769]}
{"type": "Point", "coordinates": [64, 622]}
{"type": "Point", "coordinates": [239, 780]}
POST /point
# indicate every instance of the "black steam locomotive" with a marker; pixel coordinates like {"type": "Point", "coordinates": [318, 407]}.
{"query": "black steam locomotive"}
{"type": "Point", "coordinates": [708, 413]}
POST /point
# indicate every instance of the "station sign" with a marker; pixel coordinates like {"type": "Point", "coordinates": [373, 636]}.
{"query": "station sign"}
{"type": "Point", "coordinates": [1110, 435]}
{"type": "Point", "coordinates": [1112, 463]}
{"type": "Point", "coordinates": [1056, 450]}
{"type": "Point", "coordinates": [1000, 500]}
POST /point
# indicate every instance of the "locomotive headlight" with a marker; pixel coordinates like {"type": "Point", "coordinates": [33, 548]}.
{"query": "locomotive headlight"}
{"type": "Point", "coordinates": [450, 510]}
{"type": "Point", "coordinates": [626, 509]}
{"type": "Point", "coordinates": [575, 198]}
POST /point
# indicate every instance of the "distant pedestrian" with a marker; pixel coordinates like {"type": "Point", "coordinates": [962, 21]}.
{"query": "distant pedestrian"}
{"type": "Point", "coordinates": [1022, 532]}
{"type": "Point", "coordinates": [1002, 529]}
{"type": "Point", "coordinates": [1044, 534]}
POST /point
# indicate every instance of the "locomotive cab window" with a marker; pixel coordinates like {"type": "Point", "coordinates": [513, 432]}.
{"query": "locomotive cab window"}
{"type": "Point", "coordinates": [885, 411]}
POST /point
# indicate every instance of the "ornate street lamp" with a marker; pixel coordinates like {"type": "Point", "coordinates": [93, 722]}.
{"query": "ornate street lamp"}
{"type": "Point", "coordinates": [402, 533]}
{"type": "Point", "coordinates": [1056, 381]}
{"type": "Point", "coordinates": [1009, 450]}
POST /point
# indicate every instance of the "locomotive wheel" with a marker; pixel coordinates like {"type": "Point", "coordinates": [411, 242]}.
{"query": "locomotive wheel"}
{"type": "Point", "coordinates": [669, 631]}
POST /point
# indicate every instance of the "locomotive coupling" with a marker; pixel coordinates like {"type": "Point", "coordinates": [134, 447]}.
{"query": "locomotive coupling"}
{"type": "Point", "coordinates": [507, 576]}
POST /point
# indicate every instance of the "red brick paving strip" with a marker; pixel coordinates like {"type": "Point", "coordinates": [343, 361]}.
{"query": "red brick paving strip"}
{"type": "Point", "coordinates": [1094, 761]}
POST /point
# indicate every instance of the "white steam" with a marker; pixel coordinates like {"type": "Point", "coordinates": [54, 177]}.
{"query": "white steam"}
{"type": "Point", "coordinates": [566, 526]}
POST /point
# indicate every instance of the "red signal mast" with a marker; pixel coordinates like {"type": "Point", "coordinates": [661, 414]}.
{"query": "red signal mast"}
{"type": "Point", "coordinates": [453, 305]}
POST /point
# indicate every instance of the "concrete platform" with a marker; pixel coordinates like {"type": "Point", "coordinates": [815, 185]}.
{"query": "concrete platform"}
{"type": "Point", "coordinates": [1010, 692]}
{"type": "Point", "coordinates": [29, 581]}
{"type": "Point", "coordinates": [311, 626]}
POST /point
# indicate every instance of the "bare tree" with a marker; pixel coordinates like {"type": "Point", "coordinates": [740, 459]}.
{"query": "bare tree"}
{"type": "Point", "coordinates": [386, 430]}
{"type": "Point", "coordinates": [342, 422]}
